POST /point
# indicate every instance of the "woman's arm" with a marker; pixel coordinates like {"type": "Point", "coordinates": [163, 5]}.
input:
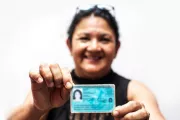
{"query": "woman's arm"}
{"type": "Point", "coordinates": [142, 104]}
{"type": "Point", "coordinates": [50, 88]}
{"type": "Point", "coordinates": [137, 91]}
{"type": "Point", "coordinates": [27, 111]}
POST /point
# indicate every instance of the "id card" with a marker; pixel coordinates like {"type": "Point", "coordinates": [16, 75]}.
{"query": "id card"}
{"type": "Point", "coordinates": [92, 98]}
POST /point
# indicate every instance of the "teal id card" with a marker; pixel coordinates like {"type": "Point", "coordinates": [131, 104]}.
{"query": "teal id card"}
{"type": "Point", "coordinates": [96, 98]}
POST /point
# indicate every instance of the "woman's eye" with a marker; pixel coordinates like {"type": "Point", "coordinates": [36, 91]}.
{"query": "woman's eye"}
{"type": "Point", "coordinates": [105, 39]}
{"type": "Point", "coordinates": [84, 38]}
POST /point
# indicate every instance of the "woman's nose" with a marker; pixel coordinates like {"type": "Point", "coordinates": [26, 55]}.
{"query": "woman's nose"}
{"type": "Point", "coordinates": [94, 45]}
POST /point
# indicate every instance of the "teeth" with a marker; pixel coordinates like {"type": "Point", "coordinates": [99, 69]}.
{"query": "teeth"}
{"type": "Point", "coordinates": [94, 58]}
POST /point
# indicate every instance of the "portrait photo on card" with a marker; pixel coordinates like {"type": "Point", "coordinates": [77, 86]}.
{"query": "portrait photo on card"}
{"type": "Point", "coordinates": [77, 94]}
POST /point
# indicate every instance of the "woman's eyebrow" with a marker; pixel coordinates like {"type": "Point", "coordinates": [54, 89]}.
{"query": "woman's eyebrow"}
{"type": "Point", "coordinates": [83, 34]}
{"type": "Point", "coordinates": [87, 34]}
{"type": "Point", "coordinates": [106, 35]}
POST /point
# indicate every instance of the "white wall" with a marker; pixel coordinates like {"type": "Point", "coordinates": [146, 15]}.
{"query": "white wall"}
{"type": "Point", "coordinates": [34, 31]}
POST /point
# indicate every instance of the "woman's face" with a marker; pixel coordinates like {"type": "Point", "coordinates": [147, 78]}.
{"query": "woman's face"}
{"type": "Point", "coordinates": [77, 95]}
{"type": "Point", "coordinates": [93, 47]}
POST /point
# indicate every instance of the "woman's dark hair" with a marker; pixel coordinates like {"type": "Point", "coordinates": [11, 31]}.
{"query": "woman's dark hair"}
{"type": "Point", "coordinates": [99, 12]}
{"type": "Point", "coordinates": [78, 92]}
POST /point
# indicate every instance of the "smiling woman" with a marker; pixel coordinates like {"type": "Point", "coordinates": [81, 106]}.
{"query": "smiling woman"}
{"type": "Point", "coordinates": [93, 41]}
{"type": "Point", "coordinates": [93, 47]}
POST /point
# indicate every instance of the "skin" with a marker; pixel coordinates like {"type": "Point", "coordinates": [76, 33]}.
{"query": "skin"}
{"type": "Point", "coordinates": [77, 95]}
{"type": "Point", "coordinates": [93, 49]}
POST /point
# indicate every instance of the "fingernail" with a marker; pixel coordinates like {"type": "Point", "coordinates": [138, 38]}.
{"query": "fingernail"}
{"type": "Point", "coordinates": [68, 85]}
{"type": "Point", "coordinates": [115, 113]}
{"type": "Point", "coordinates": [40, 80]}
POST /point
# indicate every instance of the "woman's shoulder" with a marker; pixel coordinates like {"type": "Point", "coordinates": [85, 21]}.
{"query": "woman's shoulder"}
{"type": "Point", "coordinates": [138, 90]}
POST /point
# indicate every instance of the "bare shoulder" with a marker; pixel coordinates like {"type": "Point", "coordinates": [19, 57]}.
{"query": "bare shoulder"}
{"type": "Point", "coordinates": [138, 91]}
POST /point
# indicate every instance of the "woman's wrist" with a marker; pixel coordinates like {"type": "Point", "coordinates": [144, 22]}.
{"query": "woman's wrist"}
{"type": "Point", "coordinates": [34, 112]}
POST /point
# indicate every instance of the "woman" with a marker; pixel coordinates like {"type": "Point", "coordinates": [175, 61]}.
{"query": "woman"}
{"type": "Point", "coordinates": [77, 95]}
{"type": "Point", "coordinates": [93, 41]}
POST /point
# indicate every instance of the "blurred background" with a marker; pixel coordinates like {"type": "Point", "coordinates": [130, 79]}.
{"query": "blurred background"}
{"type": "Point", "coordinates": [34, 32]}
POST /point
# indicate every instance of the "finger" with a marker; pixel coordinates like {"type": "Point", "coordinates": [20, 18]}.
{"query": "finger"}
{"type": "Point", "coordinates": [60, 96]}
{"type": "Point", "coordinates": [46, 74]}
{"type": "Point", "coordinates": [36, 80]}
{"type": "Point", "coordinates": [57, 75]}
{"type": "Point", "coordinates": [131, 106]}
{"type": "Point", "coordinates": [142, 104]}
{"type": "Point", "coordinates": [35, 76]}
{"type": "Point", "coordinates": [141, 114]}
{"type": "Point", "coordinates": [65, 93]}
{"type": "Point", "coordinates": [67, 79]}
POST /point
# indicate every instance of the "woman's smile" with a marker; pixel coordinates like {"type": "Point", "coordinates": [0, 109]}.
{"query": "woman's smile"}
{"type": "Point", "coordinates": [92, 58]}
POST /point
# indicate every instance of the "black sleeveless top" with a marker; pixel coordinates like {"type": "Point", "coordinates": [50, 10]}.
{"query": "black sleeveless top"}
{"type": "Point", "coordinates": [121, 84]}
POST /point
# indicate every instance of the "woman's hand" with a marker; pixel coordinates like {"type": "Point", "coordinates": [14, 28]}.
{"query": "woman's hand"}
{"type": "Point", "coordinates": [131, 111]}
{"type": "Point", "coordinates": [50, 86]}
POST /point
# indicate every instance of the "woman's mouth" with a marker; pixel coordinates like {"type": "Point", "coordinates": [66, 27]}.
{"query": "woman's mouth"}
{"type": "Point", "coordinates": [93, 58]}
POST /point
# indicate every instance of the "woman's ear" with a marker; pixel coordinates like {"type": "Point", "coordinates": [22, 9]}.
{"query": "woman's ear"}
{"type": "Point", "coordinates": [68, 43]}
{"type": "Point", "coordinates": [118, 44]}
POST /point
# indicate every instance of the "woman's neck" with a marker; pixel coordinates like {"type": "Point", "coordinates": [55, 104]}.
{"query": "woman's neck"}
{"type": "Point", "coordinates": [87, 80]}
{"type": "Point", "coordinates": [91, 75]}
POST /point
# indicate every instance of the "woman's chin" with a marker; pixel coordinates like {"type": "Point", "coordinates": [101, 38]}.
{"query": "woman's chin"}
{"type": "Point", "coordinates": [95, 71]}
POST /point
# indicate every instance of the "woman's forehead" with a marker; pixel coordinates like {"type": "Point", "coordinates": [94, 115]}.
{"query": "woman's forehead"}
{"type": "Point", "coordinates": [93, 24]}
